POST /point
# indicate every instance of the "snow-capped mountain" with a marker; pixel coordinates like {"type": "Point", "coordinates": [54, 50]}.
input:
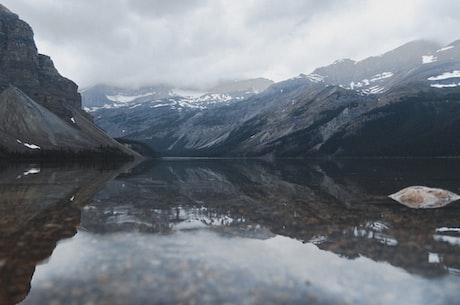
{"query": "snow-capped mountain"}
{"type": "Point", "coordinates": [380, 73]}
{"type": "Point", "coordinates": [104, 96]}
{"type": "Point", "coordinates": [404, 102]}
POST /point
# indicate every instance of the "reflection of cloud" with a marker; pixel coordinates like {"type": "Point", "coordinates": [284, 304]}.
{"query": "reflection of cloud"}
{"type": "Point", "coordinates": [212, 267]}
{"type": "Point", "coordinates": [295, 199]}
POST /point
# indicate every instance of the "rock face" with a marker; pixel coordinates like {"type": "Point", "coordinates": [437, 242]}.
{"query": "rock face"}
{"type": "Point", "coordinates": [402, 103]}
{"type": "Point", "coordinates": [40, 109]}
{"type": "Point", "coordinates": [31, 72]}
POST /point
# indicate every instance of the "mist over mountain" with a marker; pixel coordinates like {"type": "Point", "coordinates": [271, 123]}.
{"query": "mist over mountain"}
{"type": "Point", "coordinates": [401, 103]}
{"type": "Point", "coordinates": [112, 97]}
{"type": "Point", "coordinates": [40, 111]}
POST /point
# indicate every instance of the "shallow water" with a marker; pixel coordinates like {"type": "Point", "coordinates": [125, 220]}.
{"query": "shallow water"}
{"type": "Point", "coordinates": [228, 232]}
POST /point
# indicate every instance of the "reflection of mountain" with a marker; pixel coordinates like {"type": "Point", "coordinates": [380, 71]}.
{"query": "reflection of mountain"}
{"type": "Point", "coordinates": [341, 207]}
{"type": "Point", "coordinates": [38, 206]}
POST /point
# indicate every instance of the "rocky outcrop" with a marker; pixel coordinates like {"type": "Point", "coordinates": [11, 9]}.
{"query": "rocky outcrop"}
{"type": "Point", "coordinates": [31, 72]}
{"type": "Point", "coordinates": [40, 109]}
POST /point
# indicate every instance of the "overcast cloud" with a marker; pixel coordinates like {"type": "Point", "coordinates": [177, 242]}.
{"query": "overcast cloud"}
{"type": "Point", "coordinates": [199, 42]}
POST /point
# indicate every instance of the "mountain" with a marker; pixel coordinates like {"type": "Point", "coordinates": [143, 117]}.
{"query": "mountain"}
{"type": "Point", "coordinates": [109, 96]}
{"type": "Point", "coordinates": [40, 111]}
{"type": "Point", "coordinates": [401, 103]}
{"type": "Point", "coordinates": [105, 96]}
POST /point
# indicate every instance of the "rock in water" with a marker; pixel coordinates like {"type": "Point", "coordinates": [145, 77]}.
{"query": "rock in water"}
{"type": "Point", "coordinates": [422, 197]}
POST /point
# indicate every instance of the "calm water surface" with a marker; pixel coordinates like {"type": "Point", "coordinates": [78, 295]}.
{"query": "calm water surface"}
{"type": "Point", "coordinates": [227, 232]}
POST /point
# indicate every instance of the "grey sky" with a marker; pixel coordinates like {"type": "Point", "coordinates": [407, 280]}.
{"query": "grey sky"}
{"type": "Point", "coordinates": [199, 42]}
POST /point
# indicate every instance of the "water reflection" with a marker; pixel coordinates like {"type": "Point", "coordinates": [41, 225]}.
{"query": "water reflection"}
{"type": "Point", "coordinates": [207, 231]}
{"type": "Point", "coordinates": [341, 207]}
{"type": "Point", "coordinates": [39, 205]}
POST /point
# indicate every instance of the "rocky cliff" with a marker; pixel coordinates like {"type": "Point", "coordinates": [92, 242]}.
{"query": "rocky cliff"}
{"type": "Point", "coordinates": [40, 109]}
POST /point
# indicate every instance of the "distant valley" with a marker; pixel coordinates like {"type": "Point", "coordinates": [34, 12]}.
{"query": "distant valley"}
{"type": "Point", "coordinates": [399, 104]}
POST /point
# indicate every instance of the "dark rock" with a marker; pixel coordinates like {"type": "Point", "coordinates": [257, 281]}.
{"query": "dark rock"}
{"type": "Point", "coordinates": [41, 110]}
{"type": "Point", "coordinates": [33, 73]}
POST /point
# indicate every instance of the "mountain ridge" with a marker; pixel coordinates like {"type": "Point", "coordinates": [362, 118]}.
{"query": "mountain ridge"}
{"type": "Point", "coordinates": [328, 112]}
{"type": "Point", "coordinates": [108, 96]}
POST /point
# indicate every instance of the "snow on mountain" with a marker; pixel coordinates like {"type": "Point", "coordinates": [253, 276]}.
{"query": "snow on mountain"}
{"type": "Point", "coordinates": [445, 49]}
{"type": "Point", "coordinates": [369, 86]}
{"type": "Point", "coordinates": [427, 59]}
{"type": "Point", "coordinates": [106, 97]}
{"type": "Point", "coordinates": [175, 101]}
{"type": "Point", "coordinates": [375, 75]}
{"type": "Point", "coordinates": [337, 109]}
{"type": "Point", "coordinates": [446, 76]}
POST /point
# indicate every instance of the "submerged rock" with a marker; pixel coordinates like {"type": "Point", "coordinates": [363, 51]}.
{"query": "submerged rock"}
{"type": "Point", "coordinates": [422, 197]}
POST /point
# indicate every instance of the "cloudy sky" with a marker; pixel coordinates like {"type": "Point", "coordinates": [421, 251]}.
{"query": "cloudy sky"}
{"type": "Point", "coordinates": [195, 43]}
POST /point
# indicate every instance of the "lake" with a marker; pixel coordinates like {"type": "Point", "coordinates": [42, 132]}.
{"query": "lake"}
{"type": "Point", "coordinates": [196, 231]}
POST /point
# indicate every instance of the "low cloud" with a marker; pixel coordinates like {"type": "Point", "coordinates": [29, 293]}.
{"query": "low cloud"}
{"type": "Point", "coordinates": [198, 42]}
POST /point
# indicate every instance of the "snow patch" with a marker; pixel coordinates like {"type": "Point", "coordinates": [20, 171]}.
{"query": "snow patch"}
{"type": "Point", "coordinates": [381, 76]}
{"type": "Point", "coordinates": [31, 171]}
{"type": "Point", "coordinates": [445, 49]}
{"type": "Point", "coordinates": [446, 75]}
{"type": "Point", "coordinates": [214, 97]}
{"type": "Point", "coordinates": [444, 85]}
{"type": "Point", "coordinates": [31, 146]}
{"type": "Point", "coordinates": [315, 78]}
{"type": "Point", "coordinates": [159, 105]}
{"type": "Point", "coordinates": [373, 90]}
{"type": "Point", "coordinates": [28, 145]}
{"type": "Point", "coordinates": [429, 59]}
{"type": "Point", "coordinates": [368, 82]}
{"type": "Point", "coordinates": [135, 106]}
